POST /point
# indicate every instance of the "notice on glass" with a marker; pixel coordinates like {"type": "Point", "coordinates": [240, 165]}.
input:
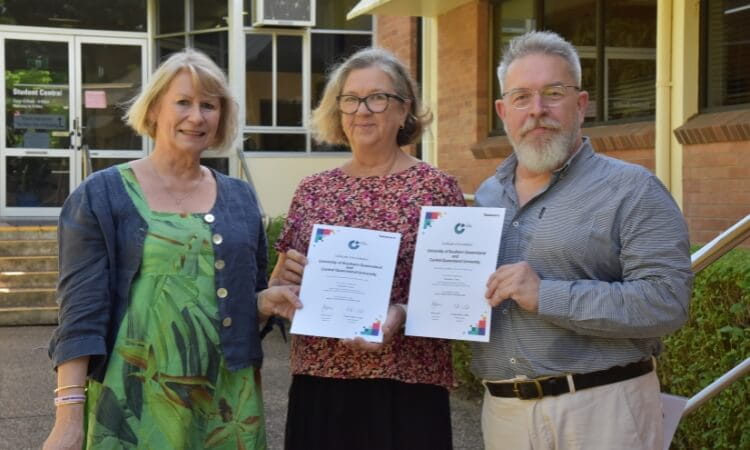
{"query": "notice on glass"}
{"type": "Point", "coordinates": [346, 289]}
{"type": "Point", "coordinates": [456, 252]}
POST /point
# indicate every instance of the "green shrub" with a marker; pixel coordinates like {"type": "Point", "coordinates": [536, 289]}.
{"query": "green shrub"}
{"type": "Point", "coordinates": [273, 230]}
{"type": "Point", "coordinates": [715, 339]}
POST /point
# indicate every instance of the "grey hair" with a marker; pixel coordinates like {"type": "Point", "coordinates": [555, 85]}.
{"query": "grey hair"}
{"type": "Point", "coordinates": [539, 42]}
{"type": "Point", "coordinates": [207, 78]}
{"type": "Point", "coordinates": [326, 118]}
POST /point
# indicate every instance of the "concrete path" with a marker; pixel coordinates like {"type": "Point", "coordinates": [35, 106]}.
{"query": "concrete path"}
{"type": "Point", "coordinates": [27, 380]}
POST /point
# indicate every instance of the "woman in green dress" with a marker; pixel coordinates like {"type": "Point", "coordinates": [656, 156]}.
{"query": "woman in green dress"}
{"type": "Point", "coordinates": [162, 286]}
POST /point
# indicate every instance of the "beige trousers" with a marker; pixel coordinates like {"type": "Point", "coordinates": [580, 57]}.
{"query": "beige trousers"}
{"type": "Point", "coordinates": [625, 415]}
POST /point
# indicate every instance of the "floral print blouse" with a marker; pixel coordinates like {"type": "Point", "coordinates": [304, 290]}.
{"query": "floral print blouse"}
{"type": "Point", "coordinates": [387, 203]}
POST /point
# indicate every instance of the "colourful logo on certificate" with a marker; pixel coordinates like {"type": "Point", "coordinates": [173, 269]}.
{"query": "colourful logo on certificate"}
{"type": "Point", "coordinates": [430, 217]}
{"type": "Point", "coordinates": [374, 330]}
{"type": "Point", "coordinates": [480, 329]}
{"type": "Point", "coordinates": [321, 233]}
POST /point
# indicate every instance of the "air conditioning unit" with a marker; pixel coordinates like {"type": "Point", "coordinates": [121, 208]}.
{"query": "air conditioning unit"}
{"type": "Point", "coordinates": [286, 13]}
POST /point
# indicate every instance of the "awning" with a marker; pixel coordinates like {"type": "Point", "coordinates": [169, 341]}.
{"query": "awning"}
{"type": "Point", "coordinates": [418, 8]}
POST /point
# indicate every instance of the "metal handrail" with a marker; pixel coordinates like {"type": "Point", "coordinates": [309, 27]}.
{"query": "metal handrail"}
{"type": "Point", "coordinates": [701, 259]}
{"type": "Point", "coordinates": [87, 168]}
{"type": "Point", "coordinates": [722, 244]}
{"type": "Point", "coordinates": [249, 179]}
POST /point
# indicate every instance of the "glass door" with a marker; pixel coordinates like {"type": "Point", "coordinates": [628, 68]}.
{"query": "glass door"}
{"type": "Point", "coordinates": [63, 95]}
{"type": "Point", "coordinates": [37, 150]}
{"type": "Point", "coordinates": [110, 73]}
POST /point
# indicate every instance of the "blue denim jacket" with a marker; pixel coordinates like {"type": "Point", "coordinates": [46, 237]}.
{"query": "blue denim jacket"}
{"type": "Point", "coordinates": [101, 237]}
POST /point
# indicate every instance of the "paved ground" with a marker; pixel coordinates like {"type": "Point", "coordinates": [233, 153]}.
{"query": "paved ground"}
{"type": "Point", "coordinates": [27, 380]}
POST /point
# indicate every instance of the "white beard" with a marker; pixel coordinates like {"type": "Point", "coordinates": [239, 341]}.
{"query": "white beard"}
{"type": "Point", "coordinates": [549, 154]}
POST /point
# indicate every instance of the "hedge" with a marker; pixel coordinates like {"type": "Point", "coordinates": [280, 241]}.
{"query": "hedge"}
{"type": "Point", "coordinates": [715, 339]}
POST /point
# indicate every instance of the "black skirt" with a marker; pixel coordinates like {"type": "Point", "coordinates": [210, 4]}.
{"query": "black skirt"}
{"type": "Point", "coordinates": [364, 414]}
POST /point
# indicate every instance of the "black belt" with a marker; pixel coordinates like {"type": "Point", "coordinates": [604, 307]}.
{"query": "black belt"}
{"type": "Point", "coordinates": [541, 387]}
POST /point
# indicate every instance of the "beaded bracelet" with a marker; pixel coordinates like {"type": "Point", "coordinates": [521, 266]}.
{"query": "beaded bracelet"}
{"type": "Point", "coordinates": [70, 399]}
{"type": "Point", "coordinates": [72, 386]}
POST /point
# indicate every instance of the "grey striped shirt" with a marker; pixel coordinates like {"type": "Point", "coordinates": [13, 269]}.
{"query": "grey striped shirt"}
{"type": "Point", "coordinates": [611, 248]}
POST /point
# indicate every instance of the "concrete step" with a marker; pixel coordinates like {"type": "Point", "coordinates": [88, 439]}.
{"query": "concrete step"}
{"type": "Point", "coordinates": [22, 279]}
{"type": "Point", "coordinates": [27, 297]}
{"type": "Point", "coordinates": [13, 233]}
{"type": "Point", "coordinates": [27, 247]}
{"type": "Point", "coordinates": [28, 263]}
{"type": "Point", "coordinates": [28, 316]}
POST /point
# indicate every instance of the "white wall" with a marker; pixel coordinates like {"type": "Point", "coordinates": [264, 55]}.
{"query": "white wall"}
{"type": "Point", "coordinates": [276, 178]}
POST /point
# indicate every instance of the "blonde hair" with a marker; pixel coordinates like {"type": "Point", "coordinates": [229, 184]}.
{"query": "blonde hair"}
{"type": "Point", "coordinates": [207, 77]}
{"type": "Point", "coordinates": [326, 118]}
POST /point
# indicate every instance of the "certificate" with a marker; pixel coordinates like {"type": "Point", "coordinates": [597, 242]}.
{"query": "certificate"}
{"type": "Point", "coordinates": [456, 252]}
{"type": "Point", "coordinates": [346, 289]}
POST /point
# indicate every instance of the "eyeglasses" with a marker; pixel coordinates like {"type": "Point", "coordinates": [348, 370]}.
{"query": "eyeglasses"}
{"type": "Point", "coordinates": [551, 95]}
{"type": "Point", "coordinates": [375, 103]}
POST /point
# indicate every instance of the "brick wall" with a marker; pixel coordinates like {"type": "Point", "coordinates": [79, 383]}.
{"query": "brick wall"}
{"type": "Point", "coordinates": [716, 187]}
{"type": "Point", "coordinates": [464, 92]}
{"type": "Point", "coordinates": [399, 35]}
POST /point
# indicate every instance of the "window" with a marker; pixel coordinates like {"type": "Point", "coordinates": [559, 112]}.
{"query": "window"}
{"type": "Point", "coordinates": [192, 23]}
{"type": "Point", "coordinates": [615, 39]}
{"type": "Point", "coordinates": [283, 84]}
{"type": "Point", "coordinates": [725, 55]}
{"type": "Point", "coordinates": [88, 14]}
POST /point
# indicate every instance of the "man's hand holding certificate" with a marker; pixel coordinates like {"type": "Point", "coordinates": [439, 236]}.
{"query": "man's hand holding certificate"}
{"type": "Point", "coordinates": [346, 289]}
{"type": "Point", "coordinates": [456, 252]}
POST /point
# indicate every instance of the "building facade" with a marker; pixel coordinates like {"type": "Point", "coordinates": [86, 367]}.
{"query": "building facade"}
{"type": "Point", "coordinates": [71, 67]}
{"type": "Point", "coordinates": [669, 83]}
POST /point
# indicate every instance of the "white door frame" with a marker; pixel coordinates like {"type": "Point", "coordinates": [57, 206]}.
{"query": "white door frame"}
{"type": "Point", "coordinates": [26, 152]}
{"type": "Point", "coordinates": [74, 39]}
{"type": "Point", "coordinates": [105, 153]}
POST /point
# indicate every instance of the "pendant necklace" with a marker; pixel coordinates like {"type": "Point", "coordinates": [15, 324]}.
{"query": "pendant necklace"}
{"type": "Point", "coordinates": [178, 199]}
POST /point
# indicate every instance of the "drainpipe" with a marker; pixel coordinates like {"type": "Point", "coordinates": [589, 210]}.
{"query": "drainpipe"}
{"type": "Point", "coordinates": [663, 125]}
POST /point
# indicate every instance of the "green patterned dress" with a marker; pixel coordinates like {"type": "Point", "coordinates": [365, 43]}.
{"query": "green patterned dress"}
{"type": "Point", "coordinates": [166, 385]}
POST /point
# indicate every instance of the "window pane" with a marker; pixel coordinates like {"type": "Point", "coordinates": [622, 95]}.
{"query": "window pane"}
{"type": "Point", "coordinates": [727, 61]}
{"type": "Point", "coordinates": [630, 23]}
{"type": "Point", "coordinates": [37, 112]}
{"type": "Point", "coordinates": [120, 15]}
{"type": "Point", "coordinates": [289, 81]}
{"type": "Point", "coordinates": [215, 46]}
{"type": "Point", "coordinates": [37, 182]}
{"type": "Point", "coordinates": [171, 16]}
{"type": "Point", "coordinates": [209, 14]}
{"type": "Point", "coordinates": [576, 21]}
{"type": "Point", "coordinates": [167, 46]}
{"type": "Point", "coordinates": [331, 48]}
{"type": "Point", "coordinates": [258, 79]}
{"type": "Point", "coordinates": [588, 83]}
{"type": "Point", "coordinates": [632, 88]}
{"type": "Point", "coordinates": [331, 14]}
{"type": "Point", "coordinates": [111, 77]}
{"type": "Point", "coordinates": [255, 142]}
{"type": "Point", "coordinates": [509, 19]}
{"type": "Point", "coordinates": [220, 165]}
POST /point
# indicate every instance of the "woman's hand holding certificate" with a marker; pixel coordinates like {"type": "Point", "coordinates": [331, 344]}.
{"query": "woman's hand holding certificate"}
{"type": "Point", "coordinates": [347, 284]}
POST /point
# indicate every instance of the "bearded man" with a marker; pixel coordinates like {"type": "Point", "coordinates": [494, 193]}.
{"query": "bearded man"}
{"type": "Point", "coordinates": [594, 268]}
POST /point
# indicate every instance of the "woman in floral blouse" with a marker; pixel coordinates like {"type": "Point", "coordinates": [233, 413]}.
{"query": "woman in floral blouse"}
{"type": "Point", "coordinates": [351, 394]}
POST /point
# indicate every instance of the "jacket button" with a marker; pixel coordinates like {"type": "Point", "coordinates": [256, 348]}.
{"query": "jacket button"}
{"type": "Point", "coordinates": [209, 218]}
{"type": "Point", "coordinates": [219, 264]}
{"type": "Point", "coordinates": [217, 239]}
{"type": "Point", "coordinates": [222, 293]}
{"type": "Point", "coordinates": [227, 322]}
